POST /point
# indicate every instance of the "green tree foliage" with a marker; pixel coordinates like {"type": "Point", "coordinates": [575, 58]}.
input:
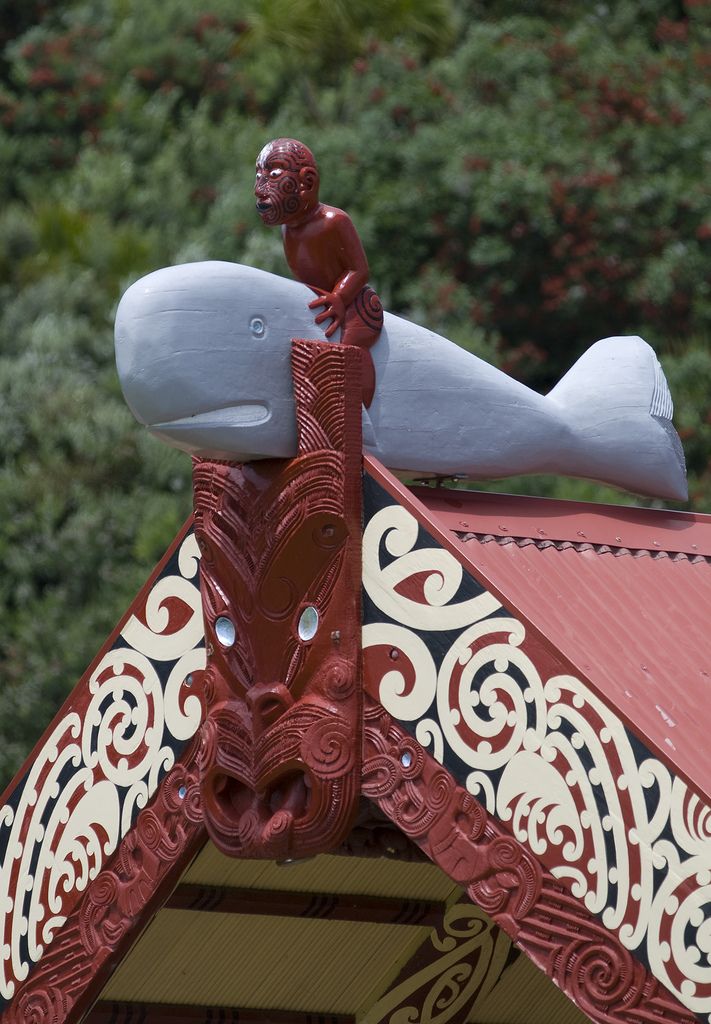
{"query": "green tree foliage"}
{"type": "Point", "coordinates": [526, 177]}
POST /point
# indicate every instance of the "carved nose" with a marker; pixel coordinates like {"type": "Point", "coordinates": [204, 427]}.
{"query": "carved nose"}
{"type": "Point", "coordinates": [267, 702]}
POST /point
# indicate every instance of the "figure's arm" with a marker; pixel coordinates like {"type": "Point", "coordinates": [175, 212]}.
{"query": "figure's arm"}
{"type": "Point", "coordinates": [351, 280]}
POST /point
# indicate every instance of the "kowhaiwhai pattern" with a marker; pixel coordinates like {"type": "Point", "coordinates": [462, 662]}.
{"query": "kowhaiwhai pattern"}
{"type": "Point", "coordinates": [461, 962]}
{"type": "Point", "coordinates": [539, 749]}
{"type": "Point", "coordinates": [100, 764]}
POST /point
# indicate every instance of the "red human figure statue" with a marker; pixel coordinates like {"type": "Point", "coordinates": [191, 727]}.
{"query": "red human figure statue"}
{"type": "Point", "coordinates": [321, 246]}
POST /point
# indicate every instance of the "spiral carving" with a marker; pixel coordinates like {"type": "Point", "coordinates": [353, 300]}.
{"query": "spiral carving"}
{"type": "Point", "coordinates": [339, 681]}
{"type": "Point", "coordinates": [369, 309]}
{"type": "Point", "coordinates": [514, 724]}
{"type": "Point", "coordinates": [120, 899]}
{"type": "Point", "coordinates": [150, 831]}
{"type": "Point", "coordinates": [130, 717]}
{"type": "Point", "coordinates": [279, 825]}
{"type": "Point", "coordinates": [280, 761]}
{"type": "Point", "coordinates": [48, 1007]}
{"type": "Point", "coordinates": [503, 878]}
{"type": "Point", "coordinates": [440, 790]}
{"type": "Point", "coordinates": [505, 853]}
{"type": "Point", "coordinates": [602, 975]}
{"type": "Point", "coordinates": [328, 749]}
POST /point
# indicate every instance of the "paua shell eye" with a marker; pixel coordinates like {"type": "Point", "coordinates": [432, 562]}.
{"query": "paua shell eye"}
{"type": "Point", "coordinates": [308, 623]}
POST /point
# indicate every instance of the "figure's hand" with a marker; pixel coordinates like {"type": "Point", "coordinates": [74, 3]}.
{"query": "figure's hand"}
{"type": "Point", "coordinates": [335, 310]}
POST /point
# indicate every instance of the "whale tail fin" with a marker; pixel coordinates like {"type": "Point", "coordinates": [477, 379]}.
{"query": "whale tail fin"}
{"type": "Point", "coordinates": [616, 401]}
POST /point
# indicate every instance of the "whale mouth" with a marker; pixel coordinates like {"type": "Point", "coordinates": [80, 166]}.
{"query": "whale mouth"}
{"type": "Point", "coordinates": [244, 414]}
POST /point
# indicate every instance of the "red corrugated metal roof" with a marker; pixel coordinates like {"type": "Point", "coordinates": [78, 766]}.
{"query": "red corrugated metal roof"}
{"type": "Point", "coordinates": [623, 593]}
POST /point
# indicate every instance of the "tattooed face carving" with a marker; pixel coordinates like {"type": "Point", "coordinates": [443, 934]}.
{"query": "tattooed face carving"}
{"type": "Point", "coordinates": [287, 182]}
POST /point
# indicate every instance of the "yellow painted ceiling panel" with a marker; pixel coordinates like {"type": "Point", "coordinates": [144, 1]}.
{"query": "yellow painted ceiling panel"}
{"type": "Point", "coordinates": [526, 996]}
{"type": "Point", "coordinates": [265, 962]}
{"type": "Point", "coordinates": [322, 966]}
{"type": "Point", "coordinates": [359, 876]}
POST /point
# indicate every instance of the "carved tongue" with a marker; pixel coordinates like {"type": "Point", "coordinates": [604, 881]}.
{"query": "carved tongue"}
{"type": "Point", "coordinates": [291, 795]}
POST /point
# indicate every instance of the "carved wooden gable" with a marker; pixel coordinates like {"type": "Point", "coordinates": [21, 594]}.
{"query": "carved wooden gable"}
{"type": "Point", "coordinates": [375, 674]}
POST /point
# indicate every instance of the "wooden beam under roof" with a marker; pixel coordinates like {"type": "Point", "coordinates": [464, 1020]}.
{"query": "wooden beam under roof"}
{"type": "Point", "coordinates": [164, 1013]}
{"type": "Point", "coordinates": [325, 906]}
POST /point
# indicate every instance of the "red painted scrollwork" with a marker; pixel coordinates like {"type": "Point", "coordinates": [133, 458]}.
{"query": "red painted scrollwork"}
{"type": "Point", "coordinates": [280, 579]}
{"type": "Point", "coordinates": [121, 899]}
{"type": "Point", "coordinates": [503, 878]}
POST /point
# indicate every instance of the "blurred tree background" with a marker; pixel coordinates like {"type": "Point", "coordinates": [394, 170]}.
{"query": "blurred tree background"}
{"type": "Point", "coordinates": [526, 176]}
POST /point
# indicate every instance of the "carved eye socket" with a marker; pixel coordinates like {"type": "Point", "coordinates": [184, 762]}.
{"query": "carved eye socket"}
{"type": "Point", "coordinates": [257, 326]}
{"type": "Point", "coordinates": [276, 172]}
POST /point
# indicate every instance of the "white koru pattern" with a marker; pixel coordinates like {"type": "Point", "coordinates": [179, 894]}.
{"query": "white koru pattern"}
{"type": "Point", "coordinates": [98, 767]}
{"type": "Point", "coordinates": [545, 755]}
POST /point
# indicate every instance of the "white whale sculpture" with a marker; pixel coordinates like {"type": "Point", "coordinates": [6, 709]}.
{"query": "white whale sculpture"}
{"type": "Point", "coordinates": [203, 356]}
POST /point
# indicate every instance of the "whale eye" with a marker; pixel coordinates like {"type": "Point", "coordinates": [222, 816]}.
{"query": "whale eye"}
{"type": "Point", "coordinates": [257, 326]}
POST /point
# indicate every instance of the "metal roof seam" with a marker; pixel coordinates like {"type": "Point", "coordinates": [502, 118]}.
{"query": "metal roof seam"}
{"type": "Point", "coordinates": [582, 546]}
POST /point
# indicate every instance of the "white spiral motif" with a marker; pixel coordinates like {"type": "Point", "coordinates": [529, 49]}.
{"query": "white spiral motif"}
{"type": "Point", "coordinates": [546, 756]}
{"type": "Point", "coordinates": [443, 576]}
{"type": "Point", "coordinates": [98, 768]}
{"type": "Point", "coordinates": [495, 713]}
{"type": "Point", "coordinates": [412, 652]}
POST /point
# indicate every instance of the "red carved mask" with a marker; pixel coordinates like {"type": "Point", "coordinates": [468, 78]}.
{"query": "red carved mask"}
{"type": "Point", "coordinates": [280, 581]}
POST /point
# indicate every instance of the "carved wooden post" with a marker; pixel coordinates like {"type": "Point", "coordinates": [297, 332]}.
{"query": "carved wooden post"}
{"type": "Point", "coordinates": [280, 581]}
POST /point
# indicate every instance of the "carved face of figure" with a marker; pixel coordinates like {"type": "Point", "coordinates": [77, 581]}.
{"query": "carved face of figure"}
{"type": "Point", "coordinates": [286, 186]}
{"type": "Point", "coordinates": [279, 767]}
{"type": "Point", "coordinates": [280, 582]}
